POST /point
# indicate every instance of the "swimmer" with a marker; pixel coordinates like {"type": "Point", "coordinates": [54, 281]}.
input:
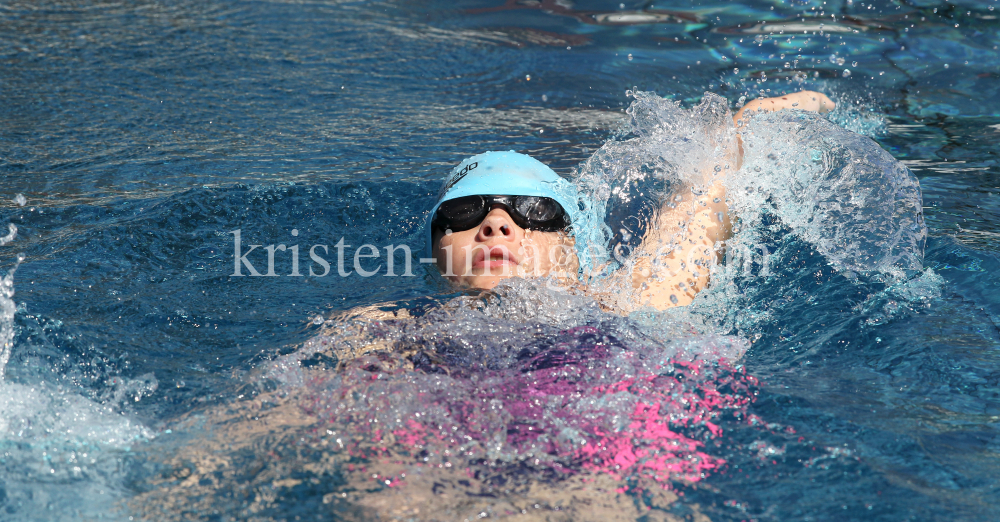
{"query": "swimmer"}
{"type": "Point", "coordinates": [504, 214]}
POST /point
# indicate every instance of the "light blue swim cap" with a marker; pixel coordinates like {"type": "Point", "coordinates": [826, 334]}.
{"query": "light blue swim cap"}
{"type": "Point", "coordinates": [504, 174]}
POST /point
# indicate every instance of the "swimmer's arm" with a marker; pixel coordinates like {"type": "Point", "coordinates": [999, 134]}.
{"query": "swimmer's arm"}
{"type": "Point", "coordinates": [676, 256]}
{"type": "Point", "coordinates": [803, 100]}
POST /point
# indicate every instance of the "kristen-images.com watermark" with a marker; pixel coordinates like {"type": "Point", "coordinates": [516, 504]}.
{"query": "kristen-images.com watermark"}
{"type": "Point", "coordinates": [367, 260]}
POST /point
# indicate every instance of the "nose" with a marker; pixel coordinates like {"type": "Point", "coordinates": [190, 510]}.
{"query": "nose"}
{"type": "Point", "coordinates": [496, 225]}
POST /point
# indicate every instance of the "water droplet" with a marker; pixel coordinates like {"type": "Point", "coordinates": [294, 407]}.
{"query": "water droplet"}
{"type": "Point", "coordinates": [946, 66]}
{"type": "Point", "coordinates": [846, 73]}
{"type": "Point", "coordinates": [630, 57]}
{"type": "Point", "coordinates": [759, 38]}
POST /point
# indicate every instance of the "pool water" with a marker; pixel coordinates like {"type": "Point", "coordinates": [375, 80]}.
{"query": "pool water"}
{"type": "Point", "coordinates": [822, 377]}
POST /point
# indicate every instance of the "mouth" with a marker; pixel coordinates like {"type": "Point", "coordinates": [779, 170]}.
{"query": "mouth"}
{"type": "Point", "coordinates": [496, 257]}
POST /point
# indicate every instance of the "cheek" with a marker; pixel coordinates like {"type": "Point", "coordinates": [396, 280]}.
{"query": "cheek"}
{"type": "Point", "coordinates": [541, 251]}
{"type": "Point", "coordinates": [460, 243]}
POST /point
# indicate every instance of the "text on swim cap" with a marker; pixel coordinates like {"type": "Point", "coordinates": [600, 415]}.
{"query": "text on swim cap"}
{"type": "Point", "coordinates": [461, 174]}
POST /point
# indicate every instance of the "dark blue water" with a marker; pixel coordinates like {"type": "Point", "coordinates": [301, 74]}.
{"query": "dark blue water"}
{"type": "Point", "coordinates": [142, 134]}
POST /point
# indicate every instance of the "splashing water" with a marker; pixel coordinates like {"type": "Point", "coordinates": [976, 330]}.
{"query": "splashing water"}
{"type": "Point", "coordinates": [664, 149]}
{"type": "Point", "coordinates": [837, 190]}
{"type": "Point", "coordinates": [482, 383]}
{"type": "Point", "coordinates": [53, 436]}
{"type": "Point", "coordinates": [833, 191]}
{"type": "Point", "coordinates": [7, 307]}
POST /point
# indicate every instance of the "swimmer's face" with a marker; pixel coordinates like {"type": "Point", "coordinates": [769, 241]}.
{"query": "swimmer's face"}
{"type": "Point", "coordinates": [497, 249]}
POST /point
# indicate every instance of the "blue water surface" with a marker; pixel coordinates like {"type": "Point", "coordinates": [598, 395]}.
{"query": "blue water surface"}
{"type": "Point", "coordinates": [142, 134]}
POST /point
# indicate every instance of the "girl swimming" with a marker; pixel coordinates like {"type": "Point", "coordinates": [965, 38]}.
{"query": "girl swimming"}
{"type": "Point", "coordinates": [504, 214]}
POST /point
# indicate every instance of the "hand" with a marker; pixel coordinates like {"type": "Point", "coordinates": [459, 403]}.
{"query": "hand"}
{"type": "Point", "coordinates": [803, 100]}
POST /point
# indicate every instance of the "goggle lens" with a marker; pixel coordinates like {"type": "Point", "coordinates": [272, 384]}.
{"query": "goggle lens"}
{"type": "Point", "coordinates": [537, 209]}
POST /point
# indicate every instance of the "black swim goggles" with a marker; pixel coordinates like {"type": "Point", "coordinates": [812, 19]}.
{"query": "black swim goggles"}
{"type": "Point", "coordinates": [529, 212]}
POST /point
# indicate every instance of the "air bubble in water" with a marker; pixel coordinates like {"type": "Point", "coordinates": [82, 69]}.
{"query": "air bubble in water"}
{"type": "Point", "coordinates": [846, 73]}
{"type": "Point", "coordinates": [946, 66]}
{"type": "Point", "coordinates": [20, 200]}
{"type": "Point", "coordinates": [854, 64]}
{"type": "Point", "coordinates": [840, 61]}
{"type": "Point", "coordinates": [673, 298]}
{"type": "Point", "coordinates": [630, 57]}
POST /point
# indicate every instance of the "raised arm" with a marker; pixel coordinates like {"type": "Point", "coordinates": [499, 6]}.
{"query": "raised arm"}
{"type": "Point", "coordinates": [676, 255]}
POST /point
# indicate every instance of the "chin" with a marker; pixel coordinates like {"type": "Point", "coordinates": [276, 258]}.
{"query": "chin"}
{"type": "Point", "coordinates": [486, 283]}
{"type": "Point", "coordinates": [481, 282]}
